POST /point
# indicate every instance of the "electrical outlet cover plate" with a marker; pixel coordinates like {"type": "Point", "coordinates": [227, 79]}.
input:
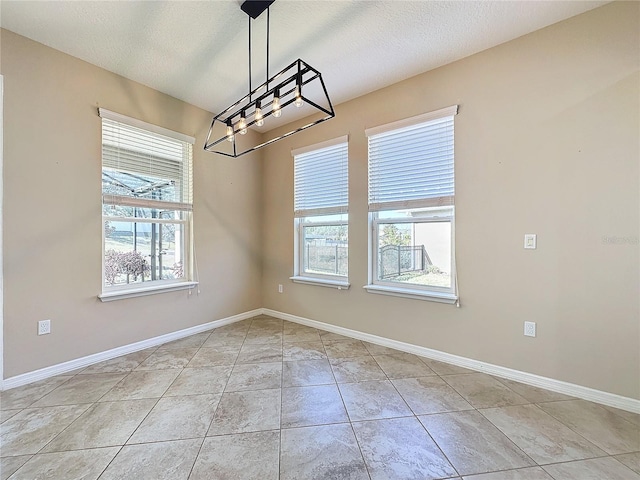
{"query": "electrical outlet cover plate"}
{"type": "Point", "coordinates": [44, 327]}
{"type": "Point", "coordinates": [530, 329]}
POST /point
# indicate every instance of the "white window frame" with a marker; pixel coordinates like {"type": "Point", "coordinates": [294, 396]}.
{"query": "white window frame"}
{"type": "Point", "coordinates": [444, 294]}
{"type": "Point", "coordinates": [447, 295]}
{"type": "Point", "coordinates": [300, 276]}
{"type": "Point", "coordinates": [117, 292]}
{"type": "Point", "coordinates": [302, 220]}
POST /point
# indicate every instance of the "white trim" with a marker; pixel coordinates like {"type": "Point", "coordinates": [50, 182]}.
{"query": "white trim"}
{"type": "Point", "coordinates": [322, 279]}
{"type": "Point", "coordinates": [144, 203]}
{"type": "Point", "coordinates": [447, 201]}
{"type": "Point", "coordinates": [1, 233]}
{"type": "Point", "coordinates": [315, 212]}
{"type": "Point", "coordinates": [110, 296]}
{"type": "Point", "coordinates": [82, 362]}
{"type": "Point", "coordinates": [408, 122]}
{"type": "Point", "coordinates": [134, 122]}
{"type": "Point", "coordinates": [414, 291]}
{"type": "Point", "coordinates": [322, 282]}
{"type": "Point", "coordinates": [108, 218]}
{"type": "Point", "coordinates": [586, 393]}
{"type": "Point", "coordinates": [416, 294]}
{"type": "Point", "coordinates": [319, 146]}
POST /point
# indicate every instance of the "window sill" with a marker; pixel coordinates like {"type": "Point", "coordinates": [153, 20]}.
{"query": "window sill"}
{"type": "Point", "coordinates": [448, 298]}
{"type": "Point", "coordinates": [140, 292]}
{"type": "Point", "coordinates": [322, 282]}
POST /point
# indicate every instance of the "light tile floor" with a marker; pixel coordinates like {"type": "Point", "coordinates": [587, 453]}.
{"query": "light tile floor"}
{"type": "Point", "coordinates": [267, 399]}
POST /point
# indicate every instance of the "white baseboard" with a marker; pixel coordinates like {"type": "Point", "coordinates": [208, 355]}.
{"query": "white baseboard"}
{"type": "Point", "coordinates": [586, 393]}
{"type": "Point", "coordinates": [82, 362]}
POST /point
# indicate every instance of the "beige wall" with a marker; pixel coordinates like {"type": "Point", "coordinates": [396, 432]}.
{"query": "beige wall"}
{"type": "Point", "coordinates": [52, 209]}
{"type": "Point", "coordinates": [547, 142]}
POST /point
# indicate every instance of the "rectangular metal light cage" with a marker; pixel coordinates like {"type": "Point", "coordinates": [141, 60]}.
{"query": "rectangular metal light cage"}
{"type": "Point", "coordinates": [312, 92]}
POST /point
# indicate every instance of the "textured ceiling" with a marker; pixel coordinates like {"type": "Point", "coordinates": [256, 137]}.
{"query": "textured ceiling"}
{"type": "Point", "coordinates": [197, 50]}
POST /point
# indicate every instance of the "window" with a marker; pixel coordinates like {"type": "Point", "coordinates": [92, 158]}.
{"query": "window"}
{"type": "Point", "coordinates": [321, 214]}
{"type": "Point", "coordinates": [411, 207]}
{"type": "Point", "coordinates": [146, 208]}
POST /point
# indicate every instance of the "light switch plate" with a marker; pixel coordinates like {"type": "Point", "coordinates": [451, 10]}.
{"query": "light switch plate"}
{"type": "Point", "coordinates": [530, 240]}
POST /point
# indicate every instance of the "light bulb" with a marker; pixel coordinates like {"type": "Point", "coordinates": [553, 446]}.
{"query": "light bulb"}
{"type": "Point", "coordinates": [230, 135]}
{"type": "Point", "coordinates": [298, 102]}
{"type": "Point", "coordinates": [258, 115]}
{"type": "Point", "coordinates": [275, 107]}
{"type": "Point", "coordinates": [242, 124]}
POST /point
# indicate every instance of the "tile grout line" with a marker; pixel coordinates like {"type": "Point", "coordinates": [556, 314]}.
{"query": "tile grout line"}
{"type": "Point", "coordinates": [195, 458]}
{"type": "Point", "coordinates": [281, 405]}
{"type": "Point", "coordinates": [427, 431]}
{"type": "Point", "coordinates": [388, 379]}
{"type": "Point", "coordinates": [145, 417]}
{"type": "Point", "coordinates": [90, 404]}
{"type": "Point", "coordinates": [476, 409]}
{"type": "Point", "coordinates": [566, 426]}
{"type": "Point", "coordinates": [582, 460]}
{"type": "Point", "coordinates": [148, 413]}
{"type": "Point", "coordinates": [364, 461]}
{"type": "Point", "coordinates": [224, 390]}
{"type": "Point", "coordinates": [344, 405]}
{"type": "Point", "coordinates": [578, 433]}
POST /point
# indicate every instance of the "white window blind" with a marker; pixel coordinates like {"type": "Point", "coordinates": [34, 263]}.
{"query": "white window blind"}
{"type": "Point", "coordinates": [144, 168]}
{"type": "Point", "coordinates": [412, 165]}
{"type": "Point", "coordinates": [321, 180]}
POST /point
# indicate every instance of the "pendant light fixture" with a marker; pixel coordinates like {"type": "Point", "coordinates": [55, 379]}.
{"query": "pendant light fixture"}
{"type": "Point", "coordinates": [298, 85]}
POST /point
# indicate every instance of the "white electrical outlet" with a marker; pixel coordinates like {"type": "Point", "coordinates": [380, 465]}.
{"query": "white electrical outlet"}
{"type": "Point", "coordinates": [529, 329]}
{"type": "Point", "coordinates": [280, 289]}
{"type": "Point", "coordinates": [44, 327]}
